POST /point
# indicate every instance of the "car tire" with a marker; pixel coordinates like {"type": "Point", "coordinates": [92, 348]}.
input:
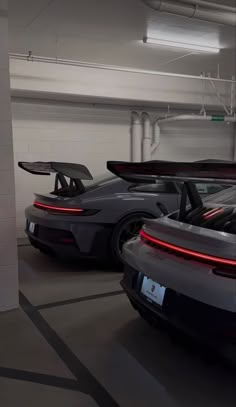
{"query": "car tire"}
{"type": "Point", "coordinates": [127, 228]}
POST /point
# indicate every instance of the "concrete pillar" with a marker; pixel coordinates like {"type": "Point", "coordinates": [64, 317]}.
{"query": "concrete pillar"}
{"type": "Point", "coordinates": [8, 247]}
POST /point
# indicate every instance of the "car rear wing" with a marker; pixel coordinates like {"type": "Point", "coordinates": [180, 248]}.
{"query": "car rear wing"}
{"type": "Point", "coordinates": [70, 170]}
{"type": "Point", "coordinates": [75, 173]}
{"type": "Point", "coordinates": [213, 171]}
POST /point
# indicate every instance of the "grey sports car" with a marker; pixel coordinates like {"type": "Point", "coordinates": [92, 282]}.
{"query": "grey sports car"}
{"type": "Point", "coordinates": [181, 269]}
{"type": "Point", "coordinates": [95, 221]}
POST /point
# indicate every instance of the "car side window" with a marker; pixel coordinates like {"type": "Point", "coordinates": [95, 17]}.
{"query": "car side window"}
{"type": "Point", "coordinates": [159, 187]}
{"type": "Point", "coordinates": [205, 188]}
{"type": "Point", "coordinates": [208, 189]}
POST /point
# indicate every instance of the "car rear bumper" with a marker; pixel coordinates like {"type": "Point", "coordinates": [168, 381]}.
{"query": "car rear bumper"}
{"type": "Point", "coordinates": [70, 252]}
{"type": "Point", "coordinates": [211, 326]}
{"type": "Point", "coordinates": [191, 278]}
{"type": "Point", "coordinates": [89, 241]}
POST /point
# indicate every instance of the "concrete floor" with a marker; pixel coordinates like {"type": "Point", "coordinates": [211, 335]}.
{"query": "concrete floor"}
{"type": "Point", "coordinates": [76, 341]}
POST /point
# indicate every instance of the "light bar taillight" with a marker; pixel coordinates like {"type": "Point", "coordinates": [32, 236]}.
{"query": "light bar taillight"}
{"type": "Point", "coordinates": [214, 260]}
{"type": "Point", "coordinates": [58, 209]}
{"type": "Point", "coordinates": [210, 214]}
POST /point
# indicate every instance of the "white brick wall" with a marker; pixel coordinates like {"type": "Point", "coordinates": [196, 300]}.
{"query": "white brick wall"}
{"type": "Point", "coordinates": [91, 136]}
{"type": "Point", "coordinates": [196, 140]}
{"type": "Point", "coordinates": [8, 252]}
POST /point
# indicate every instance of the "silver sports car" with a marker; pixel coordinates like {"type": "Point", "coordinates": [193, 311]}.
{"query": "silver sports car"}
{"type": "Point", "coordinates": [181, 269]}
{"type": "Point", "coordinates": [95, 221]}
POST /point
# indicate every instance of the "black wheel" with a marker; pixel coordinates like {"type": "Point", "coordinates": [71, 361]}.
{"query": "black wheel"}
{"type": "Point", "coordinates": [125, 230]}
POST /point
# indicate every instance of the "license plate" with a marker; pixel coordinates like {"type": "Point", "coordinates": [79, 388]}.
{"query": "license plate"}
{"type": "Point", "coordinates": [31, 227]}
{"type": "Point", "coordinates": [153, 291]}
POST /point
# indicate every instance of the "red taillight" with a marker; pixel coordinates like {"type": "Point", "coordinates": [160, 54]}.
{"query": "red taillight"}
{"type": "Point", "coordinates": [58, 209]}
{"type": "Point", "coordinates": [193, 254]}
{"type": "Point", "coordinates": [67, 240]}
{"type": "Point", "coordinates": [212, 213]}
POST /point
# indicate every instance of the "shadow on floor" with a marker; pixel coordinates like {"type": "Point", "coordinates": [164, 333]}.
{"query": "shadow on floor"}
{"type": "Point", "coordinates": [48, 262]}
{"type": "Point", "coordinates": [189, 376]}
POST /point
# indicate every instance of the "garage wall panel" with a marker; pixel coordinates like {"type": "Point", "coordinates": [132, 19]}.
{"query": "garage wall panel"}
{"type": "Point", "coordinates": [92, 135]}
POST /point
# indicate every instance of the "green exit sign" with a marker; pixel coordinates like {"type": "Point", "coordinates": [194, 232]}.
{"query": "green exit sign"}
{"type": "Point", "coordinates": [218, 118]}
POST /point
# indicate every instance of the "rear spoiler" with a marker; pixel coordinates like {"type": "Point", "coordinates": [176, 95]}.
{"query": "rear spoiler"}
{"type": "Point", "coordinates": [70, 170]}
{"type": "Point", "coordinates": [223, 172]}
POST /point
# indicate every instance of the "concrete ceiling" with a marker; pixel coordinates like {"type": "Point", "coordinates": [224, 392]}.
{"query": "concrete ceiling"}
{"type": "Point", "coordinates": [111, 32]}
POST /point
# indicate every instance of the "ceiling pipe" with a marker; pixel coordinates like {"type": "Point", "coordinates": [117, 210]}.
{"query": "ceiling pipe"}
{"type": "Point", "coordinates": [210, 5]}
{"type": "Point", "coordinates": [147, 138]}
{"type": "Point", "coordinates": [200, 10]}
{"type": "Point", "coordinates": [141, 136]}
{"type": "Point", "coordinates": [151, 137]}
{"type": "Point", "coordinates": [89, 65]}
{"type": "Point", "coordinates": [156, 136]}
{"type": "Point", "coordinates": [136, 137]}
{"type": "Point", "coordinates": [212, 118]}
{"type": "Point", "coordinates": [157, 123]}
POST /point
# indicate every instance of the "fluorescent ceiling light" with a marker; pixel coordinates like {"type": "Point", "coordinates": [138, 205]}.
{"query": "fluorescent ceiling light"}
{"type": "Point", "coordinates": [181, 45]}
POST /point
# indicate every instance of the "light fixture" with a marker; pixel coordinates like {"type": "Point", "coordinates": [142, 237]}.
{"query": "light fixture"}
{"type": "Point", "coordinates": [181, 45]}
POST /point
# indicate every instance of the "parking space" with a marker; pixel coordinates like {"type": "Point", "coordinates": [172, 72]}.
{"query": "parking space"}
{"type": "Point", "coordinates": [77, 341]}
